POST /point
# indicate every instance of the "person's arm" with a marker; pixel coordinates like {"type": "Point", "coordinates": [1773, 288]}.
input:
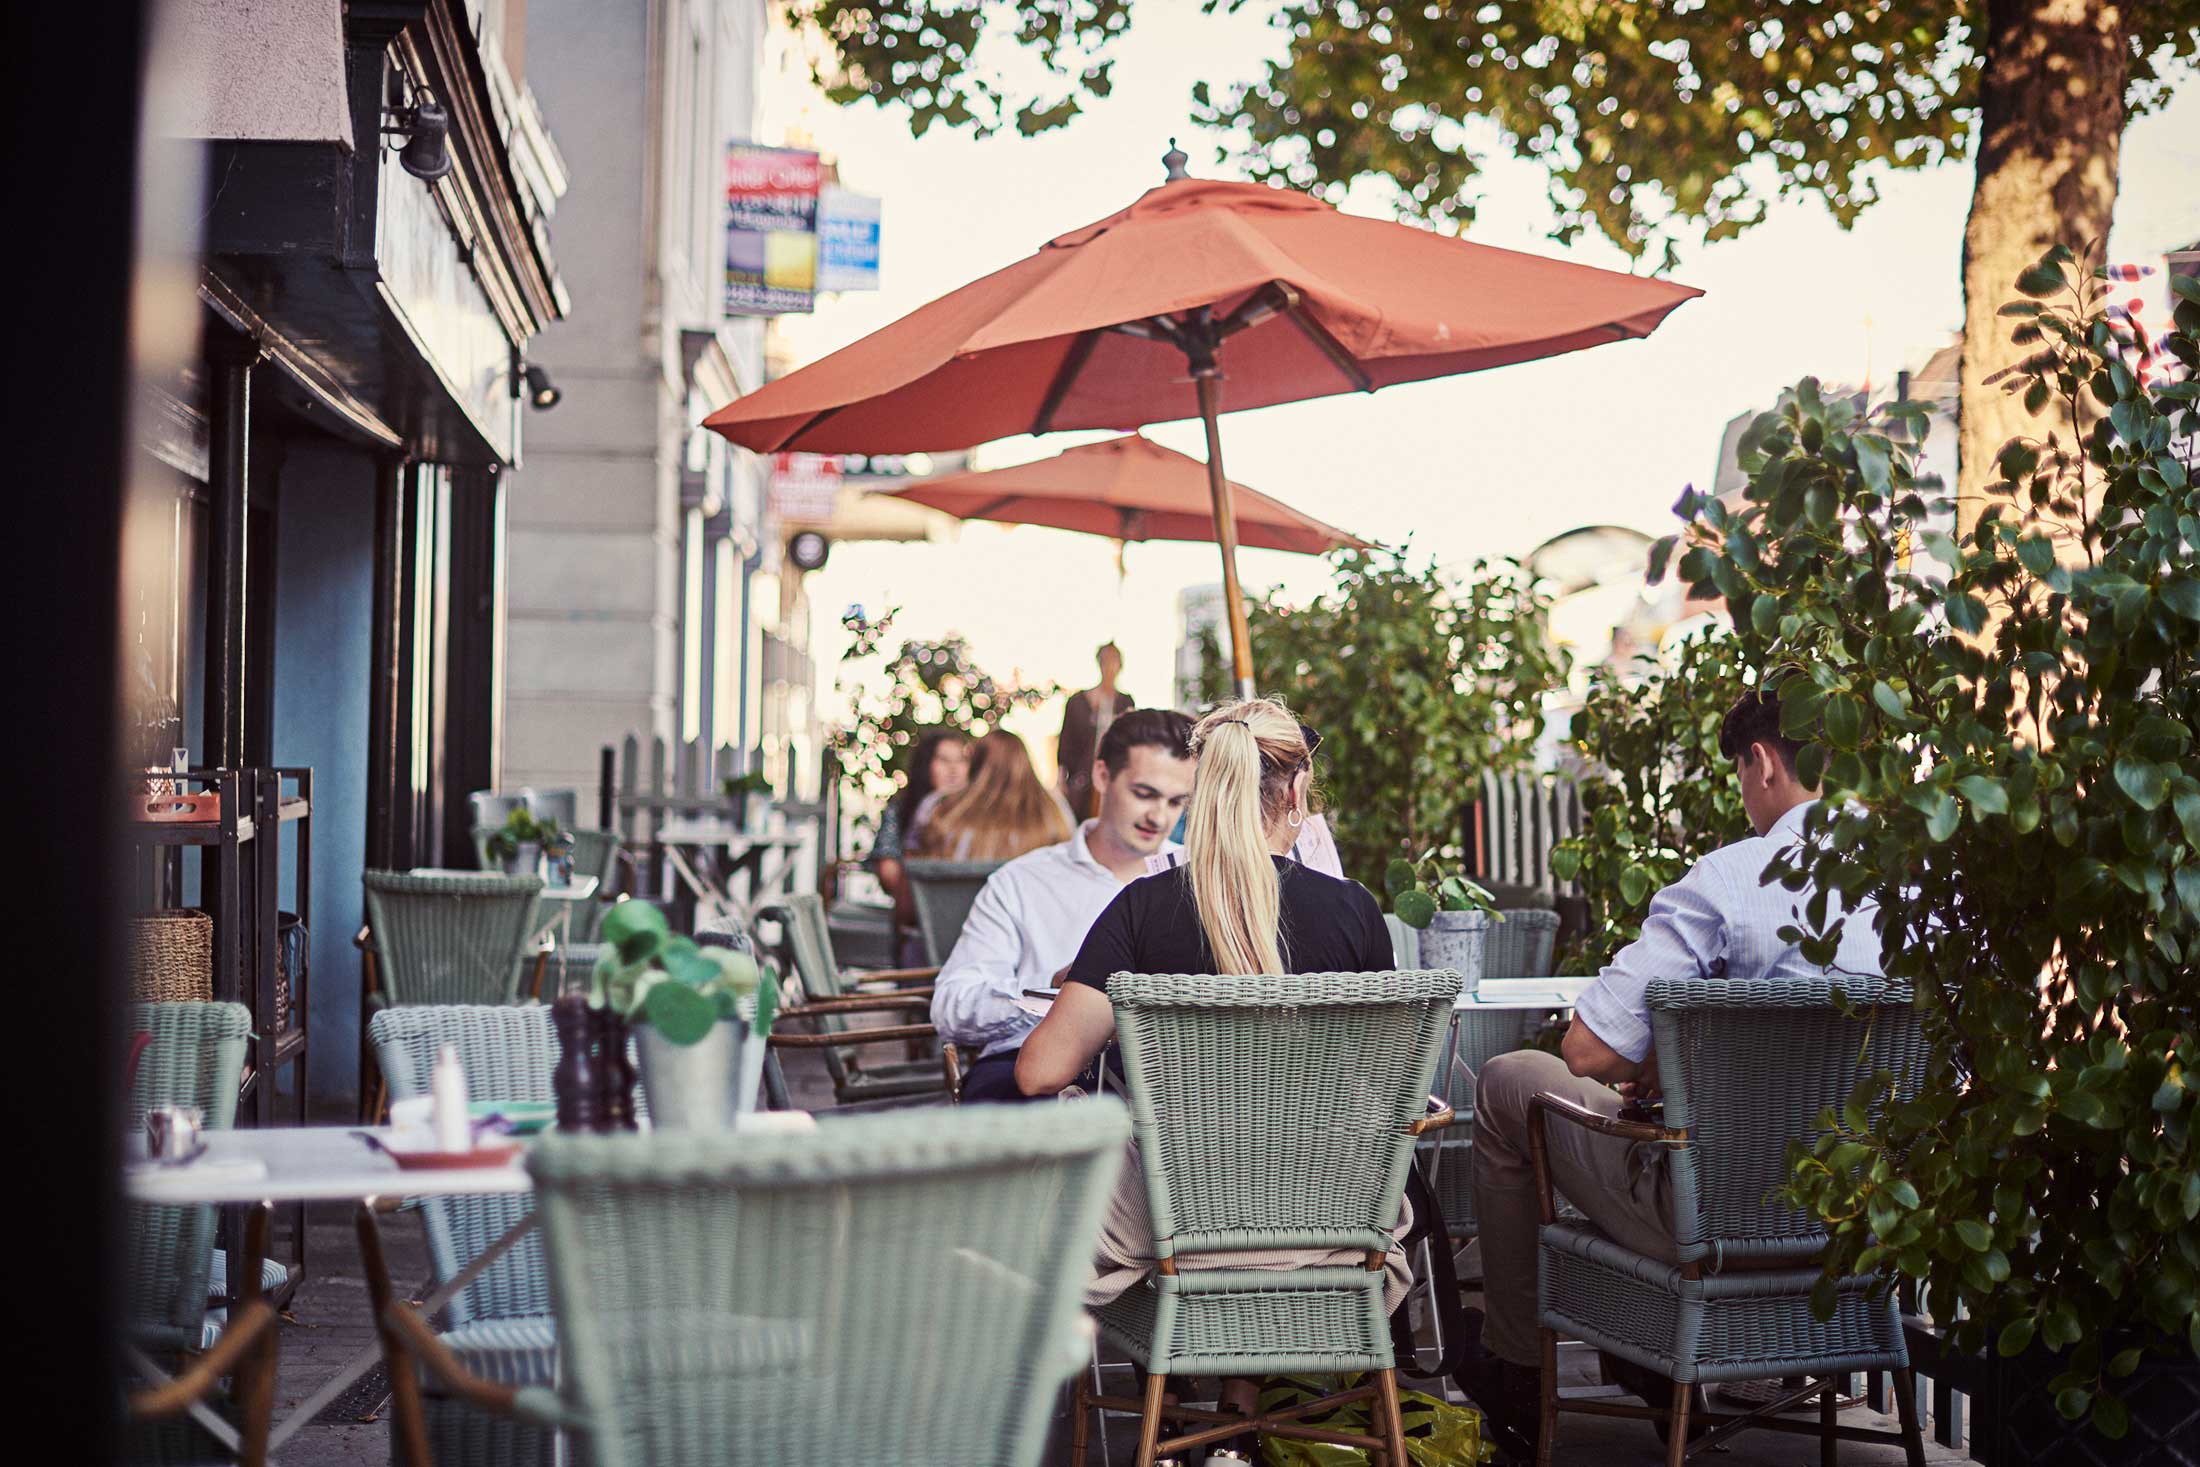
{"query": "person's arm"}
{"type": "Point", "coordinates": [1683, 936]}
{"type": "Point", "coordinates": [1081, 1020]}
{"type": "Point", "coordinates": [1075, 1029]}
{"type": "Point", "coordinates": [974, 997]}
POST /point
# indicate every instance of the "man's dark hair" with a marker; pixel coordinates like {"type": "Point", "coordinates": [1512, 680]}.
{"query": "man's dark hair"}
{"type": "Point", "coordinates": [1159, 728]}
{"type": "Point", "coordinates": [1755, 719]}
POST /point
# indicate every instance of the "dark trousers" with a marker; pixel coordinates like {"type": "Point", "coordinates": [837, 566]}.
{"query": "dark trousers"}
{"type": "Point", "coordinates": [992, 1081]}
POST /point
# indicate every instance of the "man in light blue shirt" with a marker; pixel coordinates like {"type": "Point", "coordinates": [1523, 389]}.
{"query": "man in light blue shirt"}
{"type": "Point", "coordinates": [1721, 919]}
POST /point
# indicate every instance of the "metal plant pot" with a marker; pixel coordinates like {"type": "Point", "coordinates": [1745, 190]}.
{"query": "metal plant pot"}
{"type": "Point", "coordinates": [691, 1087]}
{"type": "Point", "coordinates": [1454, 940]}
{"type": "Point", "coordinates": [526, 861]}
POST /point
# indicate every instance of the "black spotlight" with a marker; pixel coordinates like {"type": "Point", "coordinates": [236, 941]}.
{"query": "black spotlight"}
{"type": "Point", "coordinates": [427, 151]}
{"type": "Point", "coordinates": [542, 393]}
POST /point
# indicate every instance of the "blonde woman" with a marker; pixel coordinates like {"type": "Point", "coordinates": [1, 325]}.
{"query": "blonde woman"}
{"type": "Point", "coordinates": [1237, 905]}
{"type": "Point", "coordinates": [1001, 813]}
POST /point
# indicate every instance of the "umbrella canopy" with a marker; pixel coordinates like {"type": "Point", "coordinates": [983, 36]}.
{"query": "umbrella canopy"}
{"type": "Point", "coordinates": [1129, 488]}
{"type": "Point", "coordinates": [1123, 323]}
{"type": "Point", "coordinates": [1038, 346]}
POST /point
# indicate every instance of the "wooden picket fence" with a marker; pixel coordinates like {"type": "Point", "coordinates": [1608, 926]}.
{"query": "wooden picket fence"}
{"type": "Point", "coordinates": [1515, 823]}
{"type": "Point", "coordinates": [646, 783]}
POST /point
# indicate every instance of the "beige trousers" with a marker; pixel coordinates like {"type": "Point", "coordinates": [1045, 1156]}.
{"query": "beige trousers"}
{"type": "Point", "coordinates": [1620, 1185]}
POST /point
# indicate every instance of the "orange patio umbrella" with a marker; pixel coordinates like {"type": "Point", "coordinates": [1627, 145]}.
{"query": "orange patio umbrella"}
{"type": "Point", "coordinates": [1124, 322]}
{"type": "Point", "coordinates": [1129, 489]}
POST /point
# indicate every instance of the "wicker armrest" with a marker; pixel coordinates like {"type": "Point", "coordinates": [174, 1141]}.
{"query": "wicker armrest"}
{"type": "Point", "coordinates": [862, 1003]}
{"type": "Point", "coordinates": [1544, 1103]}
{"type": "Point", "coordinates": [1435, 1120]}
{"type": "Point", "coordinates": [404, 1322]}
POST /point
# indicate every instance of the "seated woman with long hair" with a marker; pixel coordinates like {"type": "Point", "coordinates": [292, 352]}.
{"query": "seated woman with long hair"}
{"type": "Point", "coordinates": [1001, 813]}
{"type": "Point", "coordinates": [1238, 905]}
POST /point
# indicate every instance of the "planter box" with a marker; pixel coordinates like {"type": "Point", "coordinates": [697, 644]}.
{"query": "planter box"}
{"type": "Point", "coordinates": [2015, 1423]}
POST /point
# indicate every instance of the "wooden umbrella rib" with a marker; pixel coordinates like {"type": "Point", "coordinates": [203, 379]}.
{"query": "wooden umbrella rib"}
{"type": "Point", "coordinates": [1065, 377]}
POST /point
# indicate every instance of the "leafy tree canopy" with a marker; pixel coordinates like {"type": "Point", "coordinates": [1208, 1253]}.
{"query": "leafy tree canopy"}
{"type": "Point", "coordinates": [1652, 116]}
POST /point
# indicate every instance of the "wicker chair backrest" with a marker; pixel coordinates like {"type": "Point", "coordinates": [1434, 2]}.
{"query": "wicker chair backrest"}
{"type": "Point", "coordinates": [1749, 1066]}
{"type": "Point", "coordinates": [944, 892]}
{"type": "Point", "coordinates": [1272, 1110]}
{"type": "Point", "coordinates": [1518, 943]}
{"type": "Point", "coordinates": [196, 1058]}
{"type": "Point", "coordinates": [890, 1288]}
{"type": "Point", "coordinates": [508, 1054]}
{"type": "Point", "coordinates": [451, 937]}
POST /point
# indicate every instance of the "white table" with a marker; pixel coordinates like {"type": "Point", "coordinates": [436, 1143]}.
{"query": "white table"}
{"type": "Point", "coordinates": [314, 1164]}
{"type": "Point", "coordinates": [1521, 995]}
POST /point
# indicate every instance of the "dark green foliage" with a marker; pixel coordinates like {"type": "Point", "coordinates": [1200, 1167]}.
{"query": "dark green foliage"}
{"type": "Point", "coordinates": [2007, 742]}
{"type": "Point", "coordinates": [1659, 793]}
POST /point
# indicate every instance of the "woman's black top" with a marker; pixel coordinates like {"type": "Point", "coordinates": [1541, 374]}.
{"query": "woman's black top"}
{"type": "Point", "coordinates": [1152, 926]}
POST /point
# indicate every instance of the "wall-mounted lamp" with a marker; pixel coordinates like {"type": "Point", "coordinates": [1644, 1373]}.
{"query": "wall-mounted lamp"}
{"type": "Point", "coordinates": [426, 128]}
{"type": "Point", "coordinates": [535, 385]}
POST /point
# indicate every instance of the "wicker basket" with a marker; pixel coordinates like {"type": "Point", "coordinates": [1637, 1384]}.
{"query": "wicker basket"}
{"type": "Point", "coordinates": [171, 957]}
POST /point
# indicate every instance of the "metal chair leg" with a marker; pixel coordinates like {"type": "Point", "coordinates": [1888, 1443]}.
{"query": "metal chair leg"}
{"type": "Point", "coordinates": [1905, 1407]}
{"type": "Point", "coordinates": [1546, 1436]}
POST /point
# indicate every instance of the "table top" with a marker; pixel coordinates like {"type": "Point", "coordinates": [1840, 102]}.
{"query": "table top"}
{"type": "Point", "coordinates": [721, 833]}
{"type": "Point", "coordinates": [1521, 994]}
{"type": "Point", "coordinates": [304, 1164]}
{"type": "Point", "coordinates": [580, 890]}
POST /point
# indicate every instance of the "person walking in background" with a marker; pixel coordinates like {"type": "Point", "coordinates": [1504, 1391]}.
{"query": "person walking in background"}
{"type": "Point", "coordinates": [1001, 813]}
{"type": "Point", "coordinates": [938, 766]}
{"type": "Point", "coordinates": [1085, 720]}
{"type": "Point", "coordinates": [1033, 913]}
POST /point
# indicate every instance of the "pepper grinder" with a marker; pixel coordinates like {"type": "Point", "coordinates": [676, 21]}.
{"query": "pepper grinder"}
{"type": "Point", "coordinates": [577, 1081]}
{"type": "Point", "coordinates": [614, 1073]}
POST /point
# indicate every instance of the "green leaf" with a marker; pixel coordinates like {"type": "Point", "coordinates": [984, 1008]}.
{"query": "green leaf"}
{"type": "Point", "coordinates": [2040, 281]}
{"type": "Point", "coordinates": [1942, 815]}
{"type": "Point", "coordinates": [681, 1014]}
{"type": "Point", "coordinates": [1889, 701]}
{"type": "Point", "coordinates": [2111, 1418]}
{"type": "Point", "coordinates": [1985, 793]}
{"type": "Point", "coordinates": [1845, 720]}
{"type": "Point", "coordinates": [2146, 782]}
{"type": "Point", "coordinates": [2186, 286]}
{"type": "Point", "coordinates": [1901, 1191]}
{"type": "Point", "coordinates": [2015, 1335]}
{"type": "Point", "coordinates": [2182, 596]}
{"type": "Point", "coordinates": [1661, 554]}
{"type": "Point", "coordinates": [1398, 878]}
{"type": "Point", "coordinates": [2188, 889]}
{"type": "Point", "coordinates": [2072, 1402]}
{"type": "Point", "coordinates": [2038, 554]}
{"type": "Point", "coordinates": [1634, 885]}
{"type": "Point", "coordinates": [1976, 1235]}
{"type": "Point", "coordinates": [1414, 908]}
{"type": "Point", "coordinates": [2187, 806]}
{"type": "Point", "coordinates": [1872, 461]}
{"type": "Point", "coordinates": [1966, 613]}
{"type": "Point", "coordinates": [635, 928]}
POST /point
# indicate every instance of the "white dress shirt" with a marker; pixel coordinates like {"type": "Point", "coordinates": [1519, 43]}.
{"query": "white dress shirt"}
{"type": "Point", "coordinates": [1030, 918]}
{"type": "Point", "coordinates": [1721, 920]}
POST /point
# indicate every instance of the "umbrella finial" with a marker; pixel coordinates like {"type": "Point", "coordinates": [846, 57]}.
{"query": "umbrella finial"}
{"type": "Point", "coordinates": [1174, 161]}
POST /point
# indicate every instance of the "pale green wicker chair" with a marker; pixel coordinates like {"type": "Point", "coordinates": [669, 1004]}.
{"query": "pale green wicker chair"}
{"type": "Point", "coordinates": [828, 998]}
{"type": "Point", "coordinates": [1747, 1067]}
{"type": "Point", "coordinates": [196, 1058]}
{"type": "Point", "coordinates": [944, 892]}
{"type": "Point", "coordinates": [1272, 1112]}
{"type": "Point", "coordinates": [499, 1326]}
{"type": "Point", "coordinates": [449, 937]}
{"type": "Point", "coordinates": [595, 853]}
{"type": "Point", "coordinates": [892, 1288]}
{"type": "Point", "coordinates": [1517, 945]}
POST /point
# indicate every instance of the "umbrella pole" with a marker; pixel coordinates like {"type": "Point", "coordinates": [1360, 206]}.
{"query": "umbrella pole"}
{"type": "Point", "coordinates": [1218, 488]}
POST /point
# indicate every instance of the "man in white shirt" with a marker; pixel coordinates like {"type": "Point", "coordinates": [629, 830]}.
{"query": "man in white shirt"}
{"type": "Point", "coordinates": [1721, 919]}
{"type": "Point", "coordinates": [1032, 914]}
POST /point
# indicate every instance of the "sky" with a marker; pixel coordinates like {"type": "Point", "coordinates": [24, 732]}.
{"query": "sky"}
{"type": "Point", "coordinates": [1482, 465]}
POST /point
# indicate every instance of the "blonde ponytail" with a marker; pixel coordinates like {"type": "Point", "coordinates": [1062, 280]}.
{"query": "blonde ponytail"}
{"type": "Point", "coordinates": [1249, 753]}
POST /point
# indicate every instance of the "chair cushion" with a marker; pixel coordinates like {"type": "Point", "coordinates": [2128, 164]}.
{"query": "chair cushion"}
{"type": "Point", "coordinates": [518, 1352]}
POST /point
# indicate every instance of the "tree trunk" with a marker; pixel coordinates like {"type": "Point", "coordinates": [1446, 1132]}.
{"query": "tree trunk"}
{"type": "Point", "coordinates": [2051, 122]}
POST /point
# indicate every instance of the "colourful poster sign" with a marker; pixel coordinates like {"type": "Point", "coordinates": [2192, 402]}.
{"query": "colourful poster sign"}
{"type": "Point", "coordinates": [847, 233]}
{"type": "Point", "coordinates": [771, 230]}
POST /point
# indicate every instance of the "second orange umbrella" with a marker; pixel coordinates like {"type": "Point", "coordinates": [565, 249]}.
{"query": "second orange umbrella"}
{"type": "Point", "coordinates": [1128, 489]}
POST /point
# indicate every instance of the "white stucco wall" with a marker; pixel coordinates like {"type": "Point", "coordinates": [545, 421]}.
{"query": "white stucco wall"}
{"type": "Point", "coordinates": [265, 69]}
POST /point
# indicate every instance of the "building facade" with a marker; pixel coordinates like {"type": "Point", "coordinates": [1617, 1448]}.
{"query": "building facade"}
{"type": "Point", "coordinates": [648, 593]}
{"type": "Point", "coordinates": [314, 553]}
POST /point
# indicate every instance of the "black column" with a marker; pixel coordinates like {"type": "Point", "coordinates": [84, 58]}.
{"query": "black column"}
{"type": "Point", "coordinates": [471, 675]}
{"type": "Point", "coordinates": [389, 733]}
{"type": "Point", "coordinates": [228, 435]}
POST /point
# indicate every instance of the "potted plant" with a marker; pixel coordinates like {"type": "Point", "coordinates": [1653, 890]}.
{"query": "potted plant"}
{"type": "Point", "coordinates": [747, 796]}
{"type": "Point", "coordinates": [1450, 910]}
{"type": "Point", "coordinates": [2002, 701]}
{"type": "Point", "coordinates": [700, 1017]}
{"type": "Point", "coordinates": [518, 843]}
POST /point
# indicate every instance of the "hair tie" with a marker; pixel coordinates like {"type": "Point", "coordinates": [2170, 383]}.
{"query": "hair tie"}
{"type": "Point", "coordinates": [1240, 722]}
